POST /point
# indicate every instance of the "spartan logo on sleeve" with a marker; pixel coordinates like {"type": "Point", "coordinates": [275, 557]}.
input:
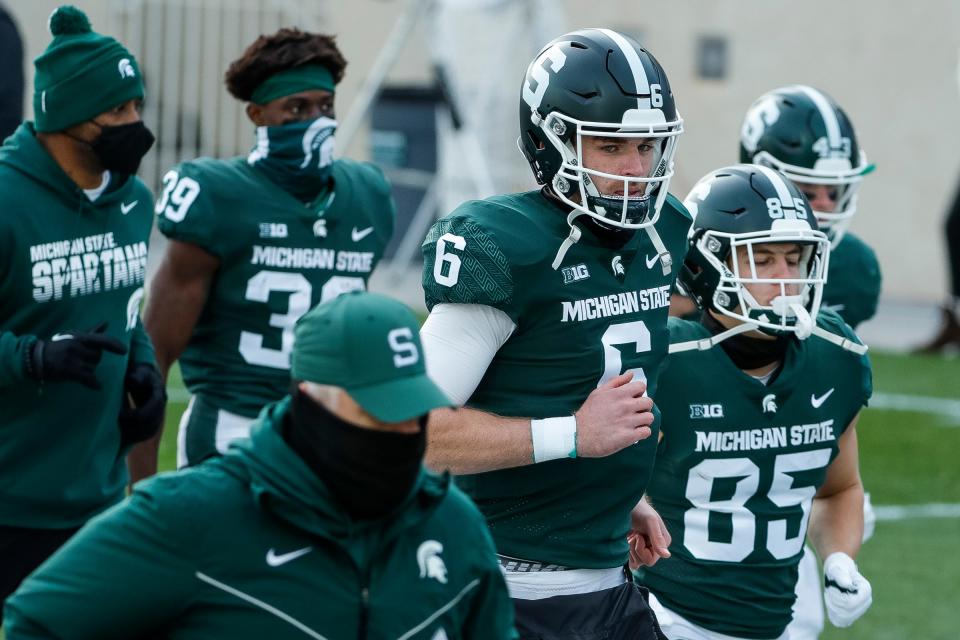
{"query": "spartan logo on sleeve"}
{"type": "Point", "coordinates": [430, 563]}
{"type": "Point", "coordinates": [83, 266]}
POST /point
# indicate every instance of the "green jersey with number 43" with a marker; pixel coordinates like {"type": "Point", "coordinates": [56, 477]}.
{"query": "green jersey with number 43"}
{"type": "Point", "coordinates": [736, 473]}
{"type": "Point", "coordinates": [278, 258]}
{"type": "Point", "coordinates": [853, 281]}
{"type": "Point", "coordinates": [601, 313]}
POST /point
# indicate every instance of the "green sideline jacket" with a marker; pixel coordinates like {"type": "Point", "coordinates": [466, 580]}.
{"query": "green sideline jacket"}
{"type": "Point", "coordinates": [68, 264]}
{"type": "Point", "coordinates": [251, 546]}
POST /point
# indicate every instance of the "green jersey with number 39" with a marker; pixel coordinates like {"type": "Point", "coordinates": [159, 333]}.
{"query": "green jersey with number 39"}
{"type": "Point", "coordinates": [853, 282]}
{"type": "Point", "coordinates": [601, 313]}
{"type": "Point", "coordinates": [736, 473]}
{"type": "Point", "coordinates": [278, 258]}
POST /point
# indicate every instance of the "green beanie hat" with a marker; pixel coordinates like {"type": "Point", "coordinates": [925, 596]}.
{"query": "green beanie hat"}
{"type": "Point", "coordinates": [81, 74]}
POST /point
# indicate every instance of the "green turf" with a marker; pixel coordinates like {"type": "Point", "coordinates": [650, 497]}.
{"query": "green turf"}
{"type": "Point", "coordinates": [906, 458]}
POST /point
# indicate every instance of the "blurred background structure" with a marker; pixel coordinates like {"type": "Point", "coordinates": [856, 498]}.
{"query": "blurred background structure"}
{"type": "Point", "coordinates": [895, 73]}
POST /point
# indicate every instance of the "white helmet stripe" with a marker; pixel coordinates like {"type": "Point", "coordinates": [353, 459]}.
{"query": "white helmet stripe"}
{"type": "Point", "coordinates": [827, 113]}
{"type": "Point", "coordinates": [640, 81]}
{"type": "Point", "coordinates": [783, 192]}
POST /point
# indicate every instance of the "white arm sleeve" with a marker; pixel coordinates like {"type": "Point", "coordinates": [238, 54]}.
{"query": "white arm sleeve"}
{"type": "Point", "coordinates": [459, 342]}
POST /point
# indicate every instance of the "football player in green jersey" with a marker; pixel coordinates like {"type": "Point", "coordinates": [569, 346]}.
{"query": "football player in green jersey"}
{"type": "Point", "coordinates": [805, 135]}
{"type": "Point", "coordinates": [547, 321]}
{"type": "Point", "coordinates": [801, 132]}
{"type": "Point", "coordinates": [323, 524]}
{"type": "Point", "coordinates": [78, 378]}
{"type": "Point", "coordinates": [256, 241]}
{"type": "Point", "coordinates": [759, 403]}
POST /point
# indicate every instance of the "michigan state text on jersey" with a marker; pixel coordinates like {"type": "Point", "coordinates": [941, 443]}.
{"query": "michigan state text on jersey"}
{"type": "Point", "coordinates": [255, 242]}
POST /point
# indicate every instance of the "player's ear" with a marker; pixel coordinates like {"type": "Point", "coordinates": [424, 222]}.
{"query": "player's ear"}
{"type": "Point", "coordinates": [255, 113]}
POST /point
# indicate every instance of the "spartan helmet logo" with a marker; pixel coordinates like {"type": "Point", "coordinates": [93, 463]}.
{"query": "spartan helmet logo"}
{"type": "Point", "coordinates": [320, 228]}
{"type": "Point", "coordinates": [617, 266]}
{"type": "Point", "coordinates": [133, 308]}
{"type": "Point", "coordinates": [769, 403]}
{"type": "Point", "coordinates": [431, 565]}
{"type": "Point", "coordinates": [126, 68]}
{"type": "Point", "coordinates": [319, 140]}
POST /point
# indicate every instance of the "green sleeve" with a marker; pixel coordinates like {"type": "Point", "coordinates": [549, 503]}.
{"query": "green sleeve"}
{"type": "Point", "coordinates": [491, 611]}
{"type": "Point", "coordinates": [141, 347]}
{"type": "Point", "coordinates": [463, 263]}
{"type": "Point", "coordinates": [12, 353]}
{"type": "Point", "coordinates": [123, 575]}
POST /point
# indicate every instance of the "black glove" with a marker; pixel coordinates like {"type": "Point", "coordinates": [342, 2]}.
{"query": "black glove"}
{"type": "Point", "coordinates": [140, 419]}
{"type": "Point", "coordinates": [71, 356]}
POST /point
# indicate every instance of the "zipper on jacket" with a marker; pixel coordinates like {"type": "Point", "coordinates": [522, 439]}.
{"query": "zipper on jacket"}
{"type": "Point", "coordinates": [364, 613]}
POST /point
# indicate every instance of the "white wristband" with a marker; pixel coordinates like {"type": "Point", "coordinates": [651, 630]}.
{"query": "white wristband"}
{"type": "Point", "coordinates": [554, 438]}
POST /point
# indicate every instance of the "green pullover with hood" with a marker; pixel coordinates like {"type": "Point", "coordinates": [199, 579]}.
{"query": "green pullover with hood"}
{"type": "Point", "coordinates": [252, 545]}
{"type": "Point", "coordinates": [69, 264]}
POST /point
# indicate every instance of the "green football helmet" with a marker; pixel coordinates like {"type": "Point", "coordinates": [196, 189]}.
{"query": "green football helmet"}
{"type": "Point", "coordinates": [597, 82]}
{"type": "Point", "coordinates": [802, 133]}
{"type": "Point", "coordinates": [736, 209]}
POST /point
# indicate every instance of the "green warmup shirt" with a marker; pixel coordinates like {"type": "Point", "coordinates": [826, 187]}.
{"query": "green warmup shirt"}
{"type": "Point", "coordinates": [853, 281]}
{"type": "Point", "coordinates": [736, 473]}
{"type": "Point", "coordinates": [602, 313]}
{"type": "Point", "coordinates": [251, 546]}
{"type": "Point", "coordinates": [278, 259]}
{"type": "Point", "coordinates": [69, 264]}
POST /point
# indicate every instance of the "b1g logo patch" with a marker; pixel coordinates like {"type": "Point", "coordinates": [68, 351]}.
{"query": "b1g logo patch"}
{"type": "Point", "coordinates": [700, 411]}
{"type": "Point", "coordinates": [575, 273]}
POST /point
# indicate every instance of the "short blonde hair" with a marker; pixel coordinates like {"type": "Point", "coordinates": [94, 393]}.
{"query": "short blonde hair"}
{"type": "Point", "coordinates": [325, 394]}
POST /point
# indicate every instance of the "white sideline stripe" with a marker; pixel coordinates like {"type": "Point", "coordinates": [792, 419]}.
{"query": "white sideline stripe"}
{"type": "Point", "coordinates": [921, 404]}
{"type": "Point", "coordinates": [894, 513]}
{"type": "Point", "coordinates": [263, 605]}
{"type": "Point", "coordinates": [439, 612]}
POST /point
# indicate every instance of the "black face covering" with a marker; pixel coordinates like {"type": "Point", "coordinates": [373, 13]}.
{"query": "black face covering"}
{"type": "Point", "coordinates": [749, 353]}
{"type": "Point", "coordinates": [369, 472]}
{"type": "Point", "coordinates": [121, 147]}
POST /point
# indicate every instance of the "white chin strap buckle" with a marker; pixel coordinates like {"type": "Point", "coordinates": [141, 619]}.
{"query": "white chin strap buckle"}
{"type": "Point", "coordinates": [792, 306]}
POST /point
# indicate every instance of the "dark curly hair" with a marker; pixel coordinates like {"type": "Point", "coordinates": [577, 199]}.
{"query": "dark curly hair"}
{"type": "Point", "coordinates": [285, 49]}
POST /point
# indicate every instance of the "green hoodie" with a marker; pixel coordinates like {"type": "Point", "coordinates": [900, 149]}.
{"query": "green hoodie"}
{"type": "Point", "coordinates": [252, 546]}
{"type": "Point", "coordinates": [68, 264]}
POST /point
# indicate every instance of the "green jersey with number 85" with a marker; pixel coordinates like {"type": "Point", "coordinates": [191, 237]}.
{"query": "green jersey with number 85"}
{"type": "Point", "coordinates": [603, 312]}
{"type": "Point", "coordinates": [736, 473]}
{"type": "Point", "coordinates": [278, 258]}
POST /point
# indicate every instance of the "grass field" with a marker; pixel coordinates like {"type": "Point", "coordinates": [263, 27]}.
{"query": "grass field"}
{"type": "Point", "coordinates": [907, 458]}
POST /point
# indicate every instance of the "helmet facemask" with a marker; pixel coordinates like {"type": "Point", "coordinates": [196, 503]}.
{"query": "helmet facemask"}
{"type": "Point", "coordinates": [638, 204]}
{"type": "Point", "coordinates": [795, 309]}
{"type": "Point", "coordinates": [834, 172]}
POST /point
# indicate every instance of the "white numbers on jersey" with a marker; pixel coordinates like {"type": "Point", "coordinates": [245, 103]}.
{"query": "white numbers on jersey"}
{"type": "Point", "coordinates": [405, 352]}
{"type": "Point", "coordinates": [452, 260]}
{"type": "Point", "coordinates": [177, 196]}
{"type": "Point", "coordinates": [782, 493]}
{"type": "Point", "coordinates": [624, 333]}
{"type": "Point", "coordinates": [259, 288]}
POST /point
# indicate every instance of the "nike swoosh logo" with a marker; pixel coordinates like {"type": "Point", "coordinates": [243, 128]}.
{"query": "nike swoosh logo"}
{"type": "Point", "coordinates": [275, 560]}
{"type": "Point", "coordinates": [125, 207]}
{"type": "Point", "coordinates": [57, 337]}
{"type": "Point", "coordinates": [816, 402]}
{"type": "Point", "coordinates": [653, 261]}
{"type": "Point", "coordinates": [357, 236]}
